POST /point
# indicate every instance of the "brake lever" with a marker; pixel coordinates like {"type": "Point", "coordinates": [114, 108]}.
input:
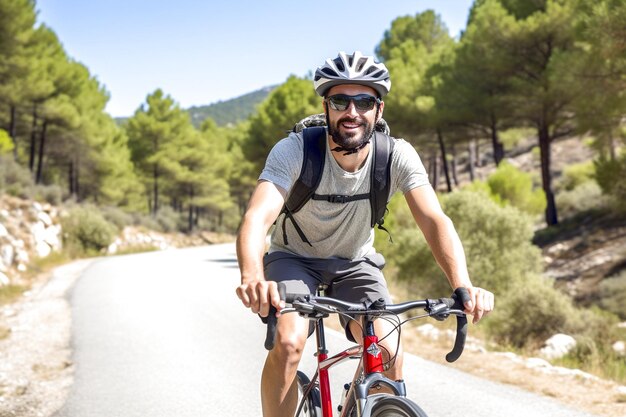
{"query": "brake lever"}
{"type": "Point", "coordinates": [439, 311]}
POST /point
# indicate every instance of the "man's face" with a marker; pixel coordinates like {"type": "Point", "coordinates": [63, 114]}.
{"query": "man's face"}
{"type": "Point", "coordinates": [351, 127]}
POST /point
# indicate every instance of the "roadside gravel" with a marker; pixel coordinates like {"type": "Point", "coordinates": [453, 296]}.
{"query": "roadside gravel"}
{"type": "Point", "coordinates": [35, 355]}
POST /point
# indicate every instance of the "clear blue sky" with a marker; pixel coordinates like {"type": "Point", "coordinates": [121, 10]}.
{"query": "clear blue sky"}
{"type": "Point", "coordinates": [200, 52]}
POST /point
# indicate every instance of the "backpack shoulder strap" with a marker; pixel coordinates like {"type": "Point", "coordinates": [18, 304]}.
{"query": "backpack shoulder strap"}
{"type": "Point", "coordinates": [314, 147]}
{"type": "Point", "coordinates": [380, 177]}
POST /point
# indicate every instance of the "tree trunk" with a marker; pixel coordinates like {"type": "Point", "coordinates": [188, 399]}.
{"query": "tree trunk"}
{"type": "Point", "coordinates": [42, 147]}
{"type": "Point", "coordinates": [471, 150]}
{"type": "Point", "coordinates": [444, 160]}
{"type": "Point", "coordinates": [12, 129]}
{"type": "Point", "coordinates": [434, 170]}
{"type": "Point", "coordinates": [77, 179]}
{"type": "Point", "coordinates": [498, 148]}
{"type": "Point", "coordinates": [33, 140]}
{"type": "Point", "coordinates": [454, 177]}
{"type": "Point", "coordinates": [155, 190]}
{"type": "Point", "coordinates": [70, 178]}
{"type": "Point", "coordinates": [546, 177]}
{"type": "Point", "coordinates": [191, 208]}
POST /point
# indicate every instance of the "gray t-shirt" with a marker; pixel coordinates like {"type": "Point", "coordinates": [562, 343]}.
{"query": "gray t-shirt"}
{"type": "Point", "coordinates": [335, 230]}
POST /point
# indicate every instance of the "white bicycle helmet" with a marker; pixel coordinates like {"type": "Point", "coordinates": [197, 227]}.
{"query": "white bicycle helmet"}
{"type": "Point", "coordinates": [352, 69]}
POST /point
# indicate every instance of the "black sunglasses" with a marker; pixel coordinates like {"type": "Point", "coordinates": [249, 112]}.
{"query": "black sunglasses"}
{"type": "Point", "coordinates": [362, 102]}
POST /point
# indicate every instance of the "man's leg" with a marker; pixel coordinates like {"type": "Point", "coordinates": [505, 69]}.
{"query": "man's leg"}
{"type": "Point", "coordinates": [278, 382]}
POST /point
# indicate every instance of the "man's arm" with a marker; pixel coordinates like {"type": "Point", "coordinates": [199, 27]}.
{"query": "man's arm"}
{"type": "Point", "coordinates": [264, 207]}
{"type": "Point", "coordinates": [446, 246]}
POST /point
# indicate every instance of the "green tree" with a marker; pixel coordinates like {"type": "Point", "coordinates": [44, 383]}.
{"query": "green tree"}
{"type": "Point", "coordinates": [473, 91]}
{"type": "Point", "coordinates": [409, 49]}
{"type": "Point", "coordinates": [16, 29]}
{"type": "Point", "coordinates": [156, 124]}
{"type": "Point", "coordinates": [283, 108]}
{"type": "Point", "coordinates": [601, 66]}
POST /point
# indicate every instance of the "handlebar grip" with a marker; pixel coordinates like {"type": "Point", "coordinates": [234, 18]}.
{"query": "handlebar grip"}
{"type": "Point", "coordinates": [270, 335]}
{"type": "Point", "coordinates": [460, 296]}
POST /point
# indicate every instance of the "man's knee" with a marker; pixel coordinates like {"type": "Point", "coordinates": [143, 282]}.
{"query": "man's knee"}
{"type": "Point", "coordinates": [291, 338]}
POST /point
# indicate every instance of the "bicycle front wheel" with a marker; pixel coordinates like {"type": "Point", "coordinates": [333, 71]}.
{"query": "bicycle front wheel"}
{"type": "Point", "coordinates": [390, 406]}
{"type": "Point", "coordinates": [309, 405]}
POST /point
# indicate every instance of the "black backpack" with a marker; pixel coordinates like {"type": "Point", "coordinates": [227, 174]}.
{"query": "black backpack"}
{"type": "Point", "coordinates": [311, 173]}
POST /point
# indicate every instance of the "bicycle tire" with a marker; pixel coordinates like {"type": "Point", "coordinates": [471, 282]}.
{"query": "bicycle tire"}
{"type": "Point", "coordinates": [392, 406]}
{"type": "Point", "coordinates": [312, 404]}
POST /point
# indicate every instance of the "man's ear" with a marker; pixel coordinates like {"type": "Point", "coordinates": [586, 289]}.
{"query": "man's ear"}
{"type": "Point", "coordinates": [381, 107]}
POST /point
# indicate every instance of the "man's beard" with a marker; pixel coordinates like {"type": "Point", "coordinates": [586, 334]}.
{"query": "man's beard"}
{"type": "Point", "coordinates": [352, 140]}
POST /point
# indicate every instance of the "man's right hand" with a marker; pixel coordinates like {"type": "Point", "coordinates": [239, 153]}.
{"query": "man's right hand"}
{"type": "Point", "coordinates": [258, 295]}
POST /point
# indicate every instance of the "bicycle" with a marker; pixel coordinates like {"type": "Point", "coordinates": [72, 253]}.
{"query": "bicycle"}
{"type": "Point", "coordinates": [357, 401]}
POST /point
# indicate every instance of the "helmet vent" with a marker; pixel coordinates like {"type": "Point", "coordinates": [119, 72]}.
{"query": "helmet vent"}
{"type": "Point", "coordinates": [330, 72]}
{"type": "Point", "coordinates": [339, 64]}
{"type": "Point", "coordinates": [360, 64]}
{"type": "Point", "coordinates": [378, 74]}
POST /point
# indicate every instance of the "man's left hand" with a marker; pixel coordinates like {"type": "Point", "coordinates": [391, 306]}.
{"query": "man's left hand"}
{"type": "Point", "coordinates": [480, 304]}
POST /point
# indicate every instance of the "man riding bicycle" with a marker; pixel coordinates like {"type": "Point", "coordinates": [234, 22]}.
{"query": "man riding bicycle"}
{"type": "Point", "coordinates": [330, 239]}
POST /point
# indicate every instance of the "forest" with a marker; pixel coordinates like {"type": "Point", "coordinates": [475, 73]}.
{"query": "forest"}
{"type": "Point", "coordinates": [523, 73]}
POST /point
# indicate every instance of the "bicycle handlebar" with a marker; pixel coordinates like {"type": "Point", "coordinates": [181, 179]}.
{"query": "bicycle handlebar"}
{"type": "Point", "coordinates": [440, 309]}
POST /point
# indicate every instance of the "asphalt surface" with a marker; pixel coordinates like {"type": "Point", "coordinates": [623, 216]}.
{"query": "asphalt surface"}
{"type": "Point", "coordinates": [163, 334]}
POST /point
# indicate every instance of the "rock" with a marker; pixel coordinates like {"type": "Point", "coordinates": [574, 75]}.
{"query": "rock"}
{"type": "Point", "coordinates": [619, 347]}
{"type": "Point", "coordinates": [537, 363]}
{"type": "Point", "coordinates": [52, 237]}
{"type": "Point", "coordinates": [557, 346]}
{"type": "Point", "coordinates": [4, 280]}
{"type": "Point", "coordinates": [44, 218]}
{"type": "Point", "coordinates": [7, 254]}
{"type": "Point", "coordinates": [21, 255]}
{"type": "Point", "coordinates": [112, 249]}
{"type": "Point", "coordinates": [42, 249]}
{"type": "Point", "coordinates": [3, 231]}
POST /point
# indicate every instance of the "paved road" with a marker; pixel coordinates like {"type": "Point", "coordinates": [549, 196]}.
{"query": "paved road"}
{"type": "Point", "coordinates": [163, 334]}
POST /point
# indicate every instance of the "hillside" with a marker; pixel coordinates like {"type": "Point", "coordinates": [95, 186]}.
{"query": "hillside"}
{"type": "Point", "coordinates": [224, 112]}
{"type": "Point", "coordinates": [229, 111]}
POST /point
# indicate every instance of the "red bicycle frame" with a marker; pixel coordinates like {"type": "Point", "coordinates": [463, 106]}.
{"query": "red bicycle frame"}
{"type": "Point", "coordinates": [371, 360]}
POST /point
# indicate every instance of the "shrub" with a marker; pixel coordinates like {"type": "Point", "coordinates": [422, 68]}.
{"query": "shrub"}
{"type": "Point", "coordinates": [497, 243]}
{"type": "Point", "coordinates": [86, 231]}
{"type": "Point", "coordinates": [578, 174]}
{"type": "Point", "coordinates": [529, 313]}
{"type": "Point", "coordinates": [169, 220]}
{"type": "Point", "coordinates": [610, 175]}
{"type": "Point", "coordinates": [6, 143]}
{"type": "Point", "coordinates": [510, 138]}
{"type": "Point", "coordinates": [586, 196]}
{"type": "Point", "coordinates": [14, 179]}
{"type": "Point", "coordinates": [117, 216]}
{"type": "Point", "coordinates": [515, 187]}
{"type": "Point", "coordinates": [613, 294]}
{"type": "Point", "coordinates": [52, 194]}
